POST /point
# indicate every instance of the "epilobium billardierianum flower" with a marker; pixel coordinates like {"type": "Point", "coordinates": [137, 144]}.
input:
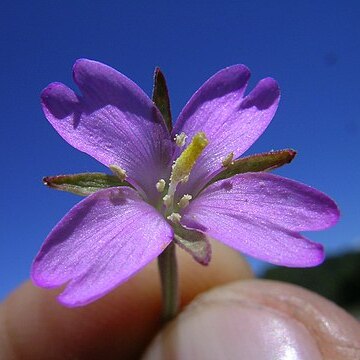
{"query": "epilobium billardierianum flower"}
{"type": "Point", "coordinates": [184, 185]}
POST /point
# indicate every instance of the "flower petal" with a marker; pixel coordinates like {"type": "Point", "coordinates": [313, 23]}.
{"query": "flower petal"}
{"type": "Point", "coordinates": [114, 121]}
{"type": "Point", "coordinates": [260, 214]}
{"type": "Point", "coordinates": [230, 121]}
{"type": "Point", "coordinates": [100, 243]}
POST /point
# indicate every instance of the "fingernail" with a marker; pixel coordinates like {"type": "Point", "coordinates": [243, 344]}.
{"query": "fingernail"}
{"type": "Point", "coordinates": [232, 331]}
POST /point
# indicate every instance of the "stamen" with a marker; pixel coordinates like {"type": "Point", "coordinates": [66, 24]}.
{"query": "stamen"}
{"type": "Point", "coordinates": [118, 171]}
{"type": "Point", "coordinates": [228, 160]}
{"type": "Point", "coordinates": [174, 217]}
{"type": "Point", "coordinates": [168, 200]}
{"type": "Point", "coordinates": [180, 139]}
{"type": "Point", "coordinates": [185, 162]}
{"type": "Point", "coordinates": [160, 185]}
{"type": "Point", "coordinates": [184, 201]}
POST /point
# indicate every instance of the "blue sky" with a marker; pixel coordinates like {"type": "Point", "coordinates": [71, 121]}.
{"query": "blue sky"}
{"type": "Point", "coordinates": [311, 47]}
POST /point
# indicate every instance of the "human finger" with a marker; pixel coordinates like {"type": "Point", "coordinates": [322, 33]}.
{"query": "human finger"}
{"type": "Point", "coordinates": [33, 325]}
{"type": "Point", "coordinates": [259, 319]}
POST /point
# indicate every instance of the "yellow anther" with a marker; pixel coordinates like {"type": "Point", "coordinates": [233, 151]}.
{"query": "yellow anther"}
{"type": "Point", "coordinates": [185, 162]}
{"type": "Point", "coordinates": [118, 171]}
{"type": "Point", "coordinates": [228, 160]}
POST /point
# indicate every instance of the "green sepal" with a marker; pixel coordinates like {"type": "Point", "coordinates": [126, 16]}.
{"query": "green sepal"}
{"type": "Point", "coordinates": [83, 184]}
{"type": "Point", "coordinates": [161, 98]}
{"type": "Point", "coordinates": [194, 242]}
{"type": "Point", "coordinates": [255, 163]}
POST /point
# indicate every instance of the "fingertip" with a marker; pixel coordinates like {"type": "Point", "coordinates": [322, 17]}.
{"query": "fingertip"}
{"type": "Point", "coordinates": [119, 325]}
{"type": "Point", "coordinates": [257, 319]}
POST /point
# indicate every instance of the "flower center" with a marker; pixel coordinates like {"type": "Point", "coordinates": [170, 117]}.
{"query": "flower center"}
{"type": "Point", "coordinates": [180, 174]}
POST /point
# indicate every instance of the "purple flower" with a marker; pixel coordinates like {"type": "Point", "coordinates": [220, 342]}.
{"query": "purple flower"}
{"type": "Point", "coordinates": [114, 232]}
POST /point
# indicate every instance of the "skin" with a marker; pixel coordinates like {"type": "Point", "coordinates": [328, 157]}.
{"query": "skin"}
{"type": "Point", "coordinates": [235, 315]}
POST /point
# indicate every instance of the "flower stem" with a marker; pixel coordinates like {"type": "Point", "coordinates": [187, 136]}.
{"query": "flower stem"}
{"type": "Point", "coordinates": [169, 282]}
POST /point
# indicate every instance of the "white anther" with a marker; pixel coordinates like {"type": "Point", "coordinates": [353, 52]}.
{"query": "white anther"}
{"type": "Point", "coordinates": [174, 217]}
{"type": "Point", "coordinates": [184, 201]}
{"type": "Point", "coordinates": [228, 160]}
{"type": "Point", "coordinates": [168, 199]}
{"type": "Point", "coordinates": [118, 171]}
{"type": "Point", "coordinates": [160, 185]}
{"type": "Point", "coordinates": [180, 139]}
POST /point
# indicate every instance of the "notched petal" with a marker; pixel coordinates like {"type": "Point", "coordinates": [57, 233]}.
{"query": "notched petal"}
{"type": "Point", "coordinates": [255, 163]}
{"type": "Point", "coordinates": [58, 101]}
{"type": "Point", "coordinates": [194, 242]}
{"type": "Point", "coordinates": [83, 184]}
{"type": "Point", "coordinates": [262, 215]}
{"type": "Point", "coordinates": [231, 121]}
{"type": "Point", "coordinates": [265, 94]}
{"type": "Point", "coordinates": [102, 241]}
{"type": "Point", "coordinates": [112, 120]}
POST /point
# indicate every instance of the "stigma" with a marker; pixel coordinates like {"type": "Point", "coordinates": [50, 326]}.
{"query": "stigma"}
{"type": "Point", "coordinates": [180, 173]}
{"type": "Point", "coordinates": [185, 162]}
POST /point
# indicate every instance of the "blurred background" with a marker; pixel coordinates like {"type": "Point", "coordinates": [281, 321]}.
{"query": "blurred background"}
{"type": "Point", "coordinates": [311, 47]}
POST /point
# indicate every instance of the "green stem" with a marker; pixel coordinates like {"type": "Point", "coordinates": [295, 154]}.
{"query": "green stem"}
{"type": "Point", "coordinates": [169, 282]}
